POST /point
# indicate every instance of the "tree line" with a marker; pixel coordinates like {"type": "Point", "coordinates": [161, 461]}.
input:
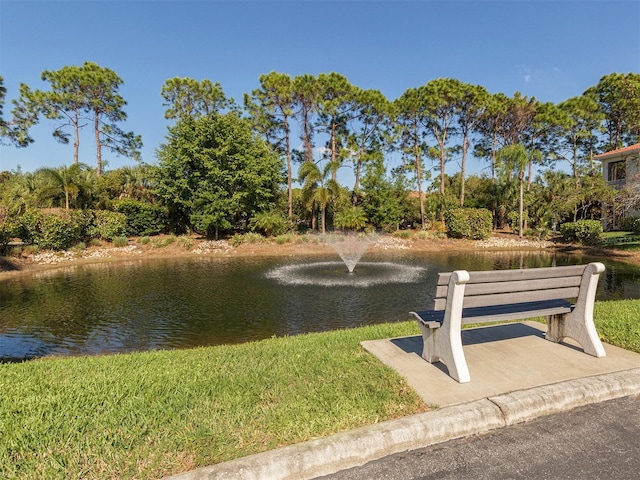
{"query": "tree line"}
{"type": "Point", "coordinates": [227, 167]}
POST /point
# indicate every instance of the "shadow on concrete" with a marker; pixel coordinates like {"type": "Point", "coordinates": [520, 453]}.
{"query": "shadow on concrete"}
{"type": "Point", "coordinates": [475, 336]}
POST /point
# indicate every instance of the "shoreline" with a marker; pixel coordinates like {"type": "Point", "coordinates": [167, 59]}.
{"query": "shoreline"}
{"type": "Point", "coordinates": [12, 267]}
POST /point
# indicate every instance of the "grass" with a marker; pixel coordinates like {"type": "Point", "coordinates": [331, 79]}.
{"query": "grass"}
{"type": "Point", "coordinates": [621, 240]}
{"type": "Point", "coordinates": [151, 414]}
{"type": "Point", "coordinates": [148, 415]}
{"type": "Point", "coordinates": [618, 323]}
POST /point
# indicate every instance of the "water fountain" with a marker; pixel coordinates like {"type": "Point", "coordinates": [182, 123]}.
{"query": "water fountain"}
{"type": "Point", "coordinates": [351, 249]}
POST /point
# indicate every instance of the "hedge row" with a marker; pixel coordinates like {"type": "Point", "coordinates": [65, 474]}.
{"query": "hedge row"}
{"type": "Point", "coordinates": [60, 230]}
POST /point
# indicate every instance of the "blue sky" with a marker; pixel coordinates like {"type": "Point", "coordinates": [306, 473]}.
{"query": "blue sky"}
{"type": "Point", "coordinates": [552, 50]}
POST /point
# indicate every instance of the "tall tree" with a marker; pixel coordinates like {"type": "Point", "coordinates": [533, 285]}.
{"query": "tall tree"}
{"type": "Point", "coordinates": [271, 109]}
{"type": "Point", "coordinates": [619, 97]}
{"type": "Point", "coordinates": [473, 104]}
{"type": "Point", "coordinates": [442, 98]}
{"type": "Point", "coordinates": [409, 118]}
{"type": "Point", "coordinates": [16, 130]}
{"type": "Point", "coordinates": [185, 98]}
{"type": "Point", "coordinates": [490, 126]}
{"type": "Point", "coordinates": [106, 106]}
{"type": "Point", "coordinates": [305, 95]}
{"type": "Point", "coordinates": [541, 133]}
{"type": "Point", "coordinates": [366, 139]}
{"type": "Point", "coordinates": [336, 108]}
{"type": "Point", "coordinates": [65, 103]}
{"type": "Point", "coordinates": [578, 139]}
{"type": "Point", "coordinates": [78, 94]}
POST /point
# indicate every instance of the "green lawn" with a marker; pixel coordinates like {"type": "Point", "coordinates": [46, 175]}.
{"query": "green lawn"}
{"type": "Point", "coordinates": [621, 240]}
{"type": "Point", "coordinates": [151, 414]}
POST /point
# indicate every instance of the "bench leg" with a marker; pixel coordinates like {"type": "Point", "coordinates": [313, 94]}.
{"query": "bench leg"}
{"type": "Point", "coordinates": [580, 329]}
{"type": "Point", "coordinates": [440, 344]}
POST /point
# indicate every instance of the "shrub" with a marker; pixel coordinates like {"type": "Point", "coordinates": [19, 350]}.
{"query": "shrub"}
{"type": "Point", "coordinates": [351, 218]}
{"type": "Point", "coordinates": [107, 225]}
{"type": "Point", "coordinates": [474, 223]}
{"type": "Point", "coordinates": [538, 233]}
{"type": "Point", "coordinates": [185, 242]}
{"type": "Point", "coordinates": [161, 242]}
{"type": "Point", "coordinates": [404, 234]}
{"type": "Point", "coordinates": [28, 227]}
{"type": "Point", "coordinates": [630, 224]}
{"type": "Point", "coordinates": [586, 232]}
{"type": "Point", "coordinates": [239, 239]}
{"type": "Point", "coordinates": [143, 218]}
{"type": "Point", "coordinates": [120, 241]}
{"type": "Point", "coordinates": [282, 239]}
{"type": "Point", "coordinates": [49, 231]}
{"type": "Point", "coordinates": [8, 227]}
{"type": "Point", "coordinates": [269, 223]}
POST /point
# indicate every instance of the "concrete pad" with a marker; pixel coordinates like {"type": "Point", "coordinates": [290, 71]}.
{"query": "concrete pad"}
{"type": "Point", "coordinates": [501, 359]}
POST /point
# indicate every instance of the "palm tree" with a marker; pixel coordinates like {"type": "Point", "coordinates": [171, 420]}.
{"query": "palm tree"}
{"type": "Point", "coordinates": [318, 189]}
{"type": "Point", "coordinates": [62, 181]}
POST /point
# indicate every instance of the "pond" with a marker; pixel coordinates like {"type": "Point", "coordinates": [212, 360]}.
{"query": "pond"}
{"type": "Point", "coordinates": [199, 301]}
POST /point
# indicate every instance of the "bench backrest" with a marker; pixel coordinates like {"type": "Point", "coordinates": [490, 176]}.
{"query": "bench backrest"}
{"type": "Point", "coordinates": [498, 287]}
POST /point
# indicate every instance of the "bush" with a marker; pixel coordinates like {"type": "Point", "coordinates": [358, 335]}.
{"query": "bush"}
{"type": "Point", "coordinates": [269, 223]}
{"type": "Point", "coordinates": [8, 227]}
{"type": "Point", "coordinates": [239, 239]}
{"type": "Point", "coordinates": [28, 227]}
{"type": "Point", "coordinates": [58, 232]}
{"type": "Point", "coordinates": [282, 239]}
{"type": "Point", "coordinates": [630, 224]}
{"type": "Point", "coordinates": [351, 218]}
{"type": "Point", "coordinates": [586, 232]}
{"type": "Point", "coordinates": [143, 218]}
{"type": "Point", "coordinates": [404, 234]}
{"type": "Point", "coordinates": [107, 225]}
{"type": "Point", "coordinates": [49, 231]}
{"type": "Point", "coordinates": [161, 242]}
{"type": "Point", "coordinates": [120, 241]}
{"type": "Point", "coordinates": [474, 223]}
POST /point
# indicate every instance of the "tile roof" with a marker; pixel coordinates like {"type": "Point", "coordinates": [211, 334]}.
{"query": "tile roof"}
{"type": "Point", "coordinates": [620, 151]}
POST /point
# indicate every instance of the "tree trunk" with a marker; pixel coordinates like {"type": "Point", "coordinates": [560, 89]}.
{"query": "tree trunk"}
{"type": "Point", "coordinates": [289, 170]}
{"type": "Point", "coordinates": [421, 200]}
{"type": "Point", "coordinates": [96, 129]}
{"type": "Point", "coordinates": [76, 139]}
{"type": "Point", "coordinates": [462, 168]}
{"type": "Point", "coordinates": [521, 207]}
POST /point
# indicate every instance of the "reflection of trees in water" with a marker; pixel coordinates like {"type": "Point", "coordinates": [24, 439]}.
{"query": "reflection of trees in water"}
{"type": "Point", "coordinates": [187, 302]}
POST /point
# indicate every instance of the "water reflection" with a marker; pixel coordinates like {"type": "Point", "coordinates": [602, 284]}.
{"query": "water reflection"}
{"type": "Point", "coordinates": [181, 303]}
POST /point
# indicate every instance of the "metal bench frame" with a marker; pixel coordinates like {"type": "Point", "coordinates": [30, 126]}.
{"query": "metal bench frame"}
{"type": "Point", "coordinates": [464, 297]}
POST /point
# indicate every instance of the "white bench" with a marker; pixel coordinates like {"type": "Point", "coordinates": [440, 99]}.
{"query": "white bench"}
{"type": "Point", "coordinates": [564, 295]}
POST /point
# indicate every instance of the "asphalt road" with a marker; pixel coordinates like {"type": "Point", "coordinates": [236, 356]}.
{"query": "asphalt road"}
{"type": "Point", "coordinates": [599, 441]}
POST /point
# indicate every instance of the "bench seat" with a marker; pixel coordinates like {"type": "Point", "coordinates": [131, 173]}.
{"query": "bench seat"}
{"type": "Point", "coordinates": [563, 295]}
{"type": "Point", "coordinates": [498, 313]}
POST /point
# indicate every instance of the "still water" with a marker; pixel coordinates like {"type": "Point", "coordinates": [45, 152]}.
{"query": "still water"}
{"type": "Point", "coordinates": [199, 301]}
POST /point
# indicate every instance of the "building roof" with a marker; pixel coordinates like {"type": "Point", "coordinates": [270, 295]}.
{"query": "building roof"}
{"type": "Point", "coordinates": [619, 152]}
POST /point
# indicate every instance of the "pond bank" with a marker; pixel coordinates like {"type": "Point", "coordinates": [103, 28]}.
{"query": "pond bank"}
{"type": "Point", "coordinates": [190, 246]}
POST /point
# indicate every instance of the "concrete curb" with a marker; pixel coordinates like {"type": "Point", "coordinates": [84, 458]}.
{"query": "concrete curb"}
{"type": "Point", "coordinates": [337, 452]}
